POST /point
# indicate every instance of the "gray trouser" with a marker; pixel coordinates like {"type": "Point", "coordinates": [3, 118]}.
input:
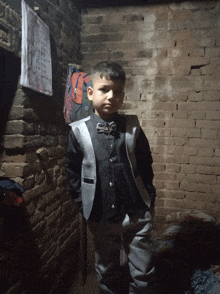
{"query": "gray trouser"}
{"type": "Point", "coordinates": [112, 239]}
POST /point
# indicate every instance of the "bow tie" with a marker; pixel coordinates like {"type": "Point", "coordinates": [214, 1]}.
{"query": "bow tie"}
{"type": "Point", "coordinates": [106, 129]}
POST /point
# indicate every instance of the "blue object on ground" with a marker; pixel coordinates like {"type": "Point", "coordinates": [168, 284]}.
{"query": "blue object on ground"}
{"type": "Point", "coordinates": [204, 282]}
{"type": "Point", "coordinates": [8, 184]}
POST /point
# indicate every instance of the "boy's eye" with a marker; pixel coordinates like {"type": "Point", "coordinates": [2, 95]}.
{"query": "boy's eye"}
{"type": "Point", "coordinates": [104, 90]}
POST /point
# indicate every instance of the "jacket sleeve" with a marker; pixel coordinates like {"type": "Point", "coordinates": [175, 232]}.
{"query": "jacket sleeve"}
{"type": "Point", "coordinates": [144, 164]}
{"type": "Point", "coordinates": [73, 167]}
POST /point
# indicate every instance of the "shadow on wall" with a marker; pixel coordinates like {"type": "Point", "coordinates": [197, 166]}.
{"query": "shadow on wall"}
{"type": "Point", "coordinates": [9, 75]}
{"type": "Point", "coordinates": [189, 247]}
{"type": "Point", "coordinates": [20, 261]}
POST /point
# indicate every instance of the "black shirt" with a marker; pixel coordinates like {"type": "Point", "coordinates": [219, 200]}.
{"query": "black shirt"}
{"type": "Point", "coordinates": [116, 191]}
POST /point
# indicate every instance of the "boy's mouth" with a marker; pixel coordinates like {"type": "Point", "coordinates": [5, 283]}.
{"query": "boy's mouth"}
{"type": "Point", "coordinates": [109, 105]}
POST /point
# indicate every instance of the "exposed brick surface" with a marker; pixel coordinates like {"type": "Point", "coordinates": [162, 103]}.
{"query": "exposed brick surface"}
{"type": "Point", "coordinates": [172, 65]}
{"type": "Point", "coordinates": [33, 144]}
{"type": "Point", "coordinates": [171, 57]}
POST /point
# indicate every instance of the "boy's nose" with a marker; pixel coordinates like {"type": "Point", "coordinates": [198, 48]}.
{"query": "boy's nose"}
{"type": "Point", "coordinates": [110, 94]}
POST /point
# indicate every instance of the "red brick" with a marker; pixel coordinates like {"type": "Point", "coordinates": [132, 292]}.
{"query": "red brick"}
{"type": "Point", "coordinates": [195, 187]}
{"type": "Point", "coordinates": [204, 179]}
{"type": "Point", "coordinates": [196, 72]}
{"type": "Point", "coordinates": [13, 158]}
{"type": "Point", "coordinates": [173, 167]}
{"type": "Point", "coordinates": [184, 204]}
{"type": "Point", "coordinates": [52, 218]}
{"type": "Point", "coordinates": [160, 193]}
{"type": "Point", "coordinates": [165, 176]}
{"type": "Point", "coordinates": [174, 150]}
{"type": "Point", "coordinates": [213, 209]}
{"type": "Point", "coordinates": [160, 114]}
{"type": "Point", "coordinates": [203, 106]}
{"type": "Point", "coordinates": [39, 228]}
{"type": "Point", "coordinates": [194, 96]}
{"type": "Point", "coordinates": [164, 106]}
{"type": "Point", "coordinates": [174, 194]}
{"type": "Point", "coordinates": [133, 17]}
{"type": "Point", "coordinates": [158, 149]}
{"type": "Point", "coordinates": [14, 169]}
{"type": "Point", "coordinates": [179, 97]}
{"type": "Point", "coordinates": [209, 134]}
{"type": "Point", "coordinates": [158, 184]}
{"type": "Point", "coordinates": [213, 115]}
{"type": "Point", "coordinates": [211, 95]}
{"type": "Point", "coordinates": [205, 152]}
{"type": "Point", "coordinates": [207, 42]}
{"type": "Point", "coordinates": [19, 127]}
{"type": "Point", "coordinates": [153, 123]}
{"type": "Point", "coordinates": [159, 202]}
{"type": "Point", "coordinates": [212, 84]}
{"type": "Point", "coordinates": [180, 177]}
{"type": "Point", "coordinates": [186, 83]}
{"type": "Point", "coordinates": [95, 56]}
{"type": "Point", "coordinates": [181, 15]}
{"type": "Point", "coordinates": [171, 159]}
{"type": "Point", "coordinates": [164, 211]}
{"type": "Point", "coordinates": [158, 167]}
{"type": "Point", "coordinates": [213, 67]}
{"type": "Point", "coordinates": [203, 197]}
{"type": "Point", "coordinates": [189, 133]}
{"type": "Point", "coordinates": [161, 97]}
{"type": "Point", "coordinates": [217, 152]}
{"type": "Point", "coordinates": [196, 114]}
{"type": "Point", "coordinates": [37, 217]}
{"type": "Point", "coordinates": [165, 141]}
{"type": "Point", "coordinates": [180, 123]}
{"type": "Point", "coordinates": [215, 189]}
{"type": "Point", "coordinates": [212, 52]}
{"type": "Point", "coordinates": [184, 52]}
{"type": "Point", "coordinates": [190, 150]}
{"type": "Point", "coordinates": [208, 124]}
{"type": "Point", "coordinates": [29, 182]}
{"type": "Point", "coordinates": [51, 208]}
{"type": "Point", "coordinates": [209, 161]}
{"type": "Point", "coordinates": [38, 191]}
{"type": "Point", "coordinates": [180, 115]}
{"type": "Point", "coordinates": [171, 185]}
{"type": "Point", "coordinates": [188, 168]}
{"type": "Point", "coordinates": [202, 143]}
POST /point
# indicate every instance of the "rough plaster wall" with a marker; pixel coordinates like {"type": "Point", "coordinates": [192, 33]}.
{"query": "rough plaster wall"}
{"type": "Point", "coordinates": [171, 55]}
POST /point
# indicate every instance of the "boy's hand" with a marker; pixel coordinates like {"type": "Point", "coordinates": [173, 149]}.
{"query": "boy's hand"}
{"type": "Point", "coordinates": [152, 199]}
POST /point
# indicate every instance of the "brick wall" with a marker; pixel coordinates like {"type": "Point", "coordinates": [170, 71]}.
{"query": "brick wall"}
{"type": "Point", "coordinates": [171, 54]}
{"type": "Point", "coordinates": [33, 147]}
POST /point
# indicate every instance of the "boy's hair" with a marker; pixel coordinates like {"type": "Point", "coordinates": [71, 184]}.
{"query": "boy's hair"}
{"type": "Point", "coordinates": [110, 70]}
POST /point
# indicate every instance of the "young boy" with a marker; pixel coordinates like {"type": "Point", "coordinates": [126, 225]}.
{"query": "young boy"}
{"type": "Point", "coordinates": [110, 178]}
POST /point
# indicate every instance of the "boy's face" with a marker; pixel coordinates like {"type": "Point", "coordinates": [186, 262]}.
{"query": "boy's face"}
{"type": "Point", "coordinates": [107, 96]}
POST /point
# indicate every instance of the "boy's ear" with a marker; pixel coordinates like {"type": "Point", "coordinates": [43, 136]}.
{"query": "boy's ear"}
{"type": "Point", "coordinates": [90, 93]}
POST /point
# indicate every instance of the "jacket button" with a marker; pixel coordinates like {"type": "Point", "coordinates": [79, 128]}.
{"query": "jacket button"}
{"type": "Point", "coordinates": [110, 160]}
{"type": "Point", "coordinates": [113, 205]}
{"type": "Point", "coordinates": [110, 184]}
